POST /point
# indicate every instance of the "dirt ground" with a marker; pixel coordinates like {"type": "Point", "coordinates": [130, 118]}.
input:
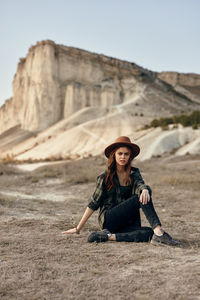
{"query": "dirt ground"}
{"type": "Point", "coordinates": [38, 262]}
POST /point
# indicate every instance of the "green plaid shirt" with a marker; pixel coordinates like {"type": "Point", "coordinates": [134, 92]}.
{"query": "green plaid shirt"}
{"type": "Point", "coordinates": [105, 200]}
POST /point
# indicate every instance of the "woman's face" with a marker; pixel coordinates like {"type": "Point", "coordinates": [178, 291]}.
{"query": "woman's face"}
{"type": "Point", "coordinates": [122, 156]}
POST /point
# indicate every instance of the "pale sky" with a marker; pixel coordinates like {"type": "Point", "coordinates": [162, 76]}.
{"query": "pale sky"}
{"type": "Point", "coordinates": [160, 35]}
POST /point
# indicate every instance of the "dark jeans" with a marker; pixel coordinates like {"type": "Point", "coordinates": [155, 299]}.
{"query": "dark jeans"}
{"type": "Point", "coordinates": [124, 220]}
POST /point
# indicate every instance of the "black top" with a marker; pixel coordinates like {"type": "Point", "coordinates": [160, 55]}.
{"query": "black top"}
{"type": "Point", "coordinates": [125, 191]}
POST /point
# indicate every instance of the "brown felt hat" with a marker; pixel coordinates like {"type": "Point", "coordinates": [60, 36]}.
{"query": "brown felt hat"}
{"type": "Point", "coordinates": [122, 141]}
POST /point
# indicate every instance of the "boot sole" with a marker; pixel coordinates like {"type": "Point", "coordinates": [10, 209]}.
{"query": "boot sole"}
{"type": "Point", "coordinates": [154, 243]}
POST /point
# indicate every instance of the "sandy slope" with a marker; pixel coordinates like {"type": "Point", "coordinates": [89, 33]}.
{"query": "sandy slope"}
{"type": "Point", "coordinates": [158, 142]}
{"type": "Point", "coordinates": [89, 130]}
{"type": "Point", "coordinates": [92, 138]}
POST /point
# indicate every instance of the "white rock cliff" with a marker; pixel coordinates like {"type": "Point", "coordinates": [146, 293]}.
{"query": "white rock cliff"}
{"type": "Point", "coordinates": [73, 102]}
{"type": "Point", "coordinates": [53, 82]}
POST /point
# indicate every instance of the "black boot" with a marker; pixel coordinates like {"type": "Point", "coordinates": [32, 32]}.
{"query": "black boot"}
{"type": "Point", "coordinates": [164, 239]}
{"type": "Point", "coordinates": [99, 236]}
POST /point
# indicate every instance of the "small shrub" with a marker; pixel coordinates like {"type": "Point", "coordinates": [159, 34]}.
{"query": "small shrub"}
{"type": "Point", "coordinates": [195, 126]}
{"type": "Point", "coordinates": [146, 126]}
{"type": "Point", "coordinates": [9, 158]}
{"type": "Point", "coordinates": [155, 123]}
{"type": "Point", "coordinates": [165, 127]}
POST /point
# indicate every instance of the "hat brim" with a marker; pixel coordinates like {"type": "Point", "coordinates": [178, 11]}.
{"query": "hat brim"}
{"type": "Point", "coordinates": [134, 148]}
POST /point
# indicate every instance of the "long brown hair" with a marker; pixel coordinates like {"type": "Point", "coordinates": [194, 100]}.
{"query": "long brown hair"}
{"type": "Point", "coordinates": [111, 168]}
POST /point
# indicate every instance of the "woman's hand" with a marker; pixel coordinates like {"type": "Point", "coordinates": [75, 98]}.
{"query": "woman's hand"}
{"type": "Point", "coordinates": [144, 197]}
{"type": "Point", "coordinates": [71, 231]}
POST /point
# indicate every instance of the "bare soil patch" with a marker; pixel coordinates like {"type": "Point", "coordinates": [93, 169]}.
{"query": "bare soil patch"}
{"type": "Point", "coordinates": [38, 262]}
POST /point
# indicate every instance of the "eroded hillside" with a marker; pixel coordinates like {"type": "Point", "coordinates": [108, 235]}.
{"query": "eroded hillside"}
{"type": "Point", "coordinates": [68, 103]}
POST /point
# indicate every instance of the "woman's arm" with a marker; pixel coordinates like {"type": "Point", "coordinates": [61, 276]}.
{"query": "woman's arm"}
{"type": "Point", "coordinates": [88, 212]}
{"type": "Point", "coordinates": [93, 205]}
{"type": "Point", "coordinates": [143, 190]}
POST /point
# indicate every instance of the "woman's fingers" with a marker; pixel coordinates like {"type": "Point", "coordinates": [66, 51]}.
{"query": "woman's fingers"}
{"type": "Point", "coordinates": [142, 198]}
{"type": "Point", "coordinates": [145, 197]}
{"type": "Point", "coordinates": [70, 231]}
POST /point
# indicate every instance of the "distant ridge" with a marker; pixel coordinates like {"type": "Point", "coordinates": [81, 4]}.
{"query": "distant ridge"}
{"type": "Point", "coordinates": [68, 102]}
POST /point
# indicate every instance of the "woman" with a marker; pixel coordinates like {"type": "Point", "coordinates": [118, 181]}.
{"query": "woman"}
{"type": "Point", "coordinates": [120, 193]}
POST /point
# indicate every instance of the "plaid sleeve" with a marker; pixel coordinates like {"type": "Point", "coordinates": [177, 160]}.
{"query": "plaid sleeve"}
{"type": "Point", "coordinates": [98, 195]}
{"type": "Point", "coordinates": [140, 184]}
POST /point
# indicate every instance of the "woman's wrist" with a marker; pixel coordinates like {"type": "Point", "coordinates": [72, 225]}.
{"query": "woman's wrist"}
{"type": "Point", "coordinates": [77, 230]}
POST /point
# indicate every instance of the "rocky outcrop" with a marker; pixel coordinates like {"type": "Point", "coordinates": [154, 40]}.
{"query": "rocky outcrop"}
{"type": "Point", "coordinates": [8, 118]}
{"type": "Point", "coordinates": [188, 80]}
{"type": "Point", "coordinates": [54, 81]}
{"type": "Point", "coordinates": [69, 102]}
{"type": "Point", "coordinates": [185, 84]}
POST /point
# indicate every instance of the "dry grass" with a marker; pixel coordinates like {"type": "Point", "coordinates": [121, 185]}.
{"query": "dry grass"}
{"type": "Point", "coordinates": [37, 262]}
{"type": "Point", "coordinates": [74, 172]}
